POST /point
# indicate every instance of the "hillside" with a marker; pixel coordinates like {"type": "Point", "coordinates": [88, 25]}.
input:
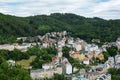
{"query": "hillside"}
{"type": "Point", "coordinates": [85, 28]}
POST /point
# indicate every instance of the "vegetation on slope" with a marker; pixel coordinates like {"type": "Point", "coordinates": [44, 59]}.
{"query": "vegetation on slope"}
{"type": "Point", "coordinates": [85, 28]}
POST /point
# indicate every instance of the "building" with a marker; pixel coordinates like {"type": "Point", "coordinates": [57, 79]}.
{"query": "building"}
{"type": "Point", "coordinates": [22, 38]}
{"type": "Point", "coordinates": [44, 45]}
{"type": "Point", "coordinates": [70, 41]}
{"type": "Point", "coordinates": [7, 47]}
{"type": "Point", "coordinates": [118, 43]}
{"type": "Point", "coordinates": [86, 61]}
{"type": "Point", "coordinates": [91, 75]}
{"type": "Point", "coordinates": [104, 77]}
{"type": "Point", "coordinates": [91, 47]}
{"type": "Point", "coordinates": [67, 68]}
{"type": "Point", "coordinates": [47, 66]}
{"type": "Point", "coordinates": [41, 74]}
{"type": "Point", "coordinates": [77, 46]}
{"type": "Point", "coordinates": [78, 55]}
{"type": "Point", "coordinates": [100, 56]}
{"type": "Point", "coordinates": [11, 62]}
{"type": "Point", "coordinates": [109, 63]}
{"type": "Point", "coordinates": [117, 59]}
{"type": "Point", "coordinates": [58, 69]}
{"type": "Point", "coordinates": [99, 70]}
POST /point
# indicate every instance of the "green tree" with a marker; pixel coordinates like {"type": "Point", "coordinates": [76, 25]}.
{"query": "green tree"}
{"type": "Point", "coordinates": [112, 50]}
{"type": "Point", "coordinates": [65, 51]}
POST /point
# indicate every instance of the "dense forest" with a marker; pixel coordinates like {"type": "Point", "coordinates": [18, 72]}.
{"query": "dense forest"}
{"type": "Point", "coordinates": [12, 72]}
{"type": "Point", "coordinates": [79, 26]}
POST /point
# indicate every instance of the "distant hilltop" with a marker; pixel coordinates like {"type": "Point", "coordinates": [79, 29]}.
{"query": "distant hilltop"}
{"type": "Point", "coordinates": [12, 27]}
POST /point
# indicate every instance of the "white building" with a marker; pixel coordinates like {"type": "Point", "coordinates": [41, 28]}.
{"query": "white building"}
{"type": "Point", "coordinates": [7, 47]}
{"type": "Point", "coordinates": [109, 63]}
{"type": "Point", "coordinates": [117, 59]}
{"type": "Point", "coordinates": [44, 45]}
{"type": "Point", "coordinates": [59, 54]}
{"type": "Point", "coordinates": [91, 47]}
{"type": "Point", "coordinates": [70, 41]}
{"type": "Point", "coordinates": [86, 61]}
{"type": "Point", "coordinates": [11, 62]}
{"type": "Point", "coordinates": [67, 68]}
{"type": "Point", "coordinates": [23, 47]}
{"type": "Point", "coordinates": [61, 43]}
{"type": "Point", "coordinates": [47, 66]}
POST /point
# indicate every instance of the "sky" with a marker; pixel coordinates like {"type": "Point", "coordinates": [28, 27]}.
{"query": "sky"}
{"type": "Point", "coordinates": [107, 9]}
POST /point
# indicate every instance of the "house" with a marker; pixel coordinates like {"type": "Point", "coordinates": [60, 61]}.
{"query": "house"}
{"type": "Point", "coordinates": [11, 62]}
{"type": "Point", "coordinates": [90, 55]}
{"type": "Point", "coordinates": [86, 61]}
{"type": "Point", "coordinates": [44, 45]}
{"type": "Point", "coordinates": [22, 38]}
{"type": "Point", "coordinates": [79, 56]}
{"type": "Point", "coordinates": [55, 60]}
{"type": "Point", "coordinates": [100, 56]}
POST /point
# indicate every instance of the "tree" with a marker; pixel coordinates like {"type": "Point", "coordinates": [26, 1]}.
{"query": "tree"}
{"type": "Point", "coordinates": [114, 73]}
{"type": "Point", "coordinates": [65, 51]}
{"type": "Point", "coordinates": [43, 56]}
{"type": "Point", "coordinates": [112, 50]}
{"type": "Point", "coordinates": [13, 73]}
{"type": "Point", "coordinates": [106, 55]}
{"type": "Point", "coordinates": [1, 59]}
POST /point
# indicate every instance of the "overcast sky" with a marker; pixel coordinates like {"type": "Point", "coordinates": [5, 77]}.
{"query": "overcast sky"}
{"type": "Point", "coordinates": [107, 9]}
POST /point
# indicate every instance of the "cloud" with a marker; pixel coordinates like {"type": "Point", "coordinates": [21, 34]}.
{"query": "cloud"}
{"type": "Point", "coordinates": [107, 9]}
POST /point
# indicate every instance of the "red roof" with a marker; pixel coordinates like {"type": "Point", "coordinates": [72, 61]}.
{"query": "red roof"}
{"type": "Point", "coordinates": [53, 59]}
{"type": "Point", "coordinates": [86, 59]}
{"type": "Point", "coordinates": [76, 52]}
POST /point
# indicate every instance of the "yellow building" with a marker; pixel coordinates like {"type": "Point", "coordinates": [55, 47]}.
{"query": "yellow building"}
{"type": "Point", "coordinates": [101, 56]}
{"type": "Point", "coordinates": [79, 56]}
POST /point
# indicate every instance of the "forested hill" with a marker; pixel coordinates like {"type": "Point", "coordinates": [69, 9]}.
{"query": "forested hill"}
{"type": "Point", "coordinates": [85, 28]}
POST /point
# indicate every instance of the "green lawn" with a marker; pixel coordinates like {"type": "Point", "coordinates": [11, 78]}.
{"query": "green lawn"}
{"type": "Point", "coordinates": [26, 63]}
